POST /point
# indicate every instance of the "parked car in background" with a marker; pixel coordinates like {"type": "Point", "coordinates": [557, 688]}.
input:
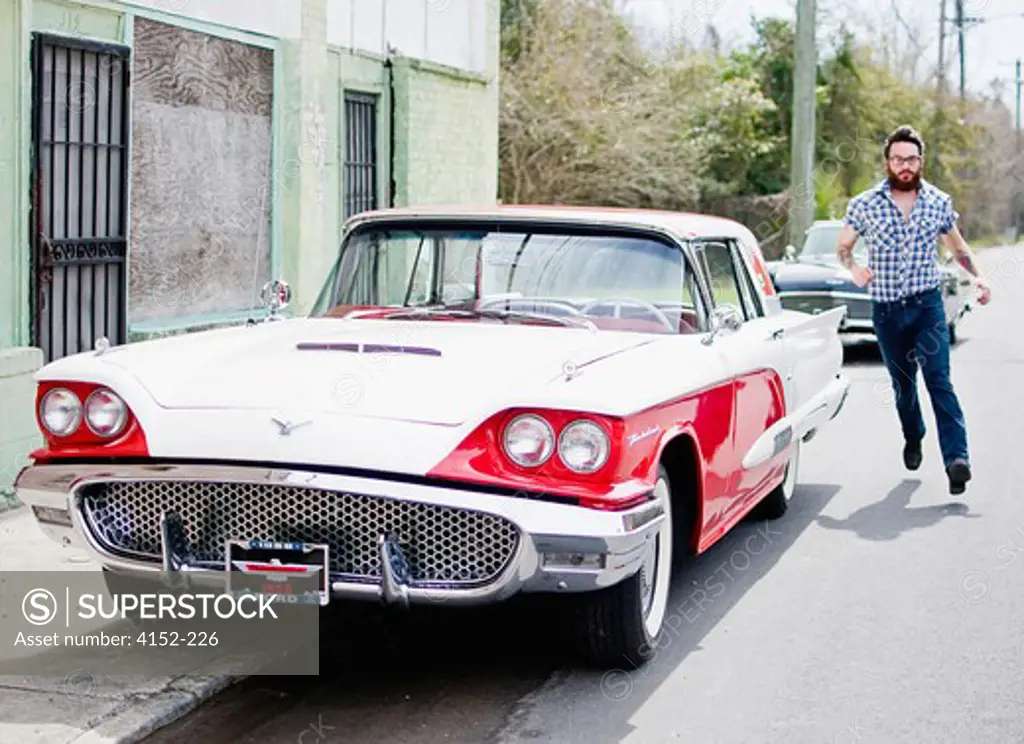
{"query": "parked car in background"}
{"type": "Point", "coordinates": [812, 280]}
{"type": "Point", "coordinates": [482, 402]}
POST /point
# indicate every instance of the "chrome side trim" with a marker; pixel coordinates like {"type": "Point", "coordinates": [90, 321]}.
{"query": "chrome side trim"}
{"type": "Point", "coordinates": [777, 438]}
{"type": "Point", "coordinates": [835, 295]}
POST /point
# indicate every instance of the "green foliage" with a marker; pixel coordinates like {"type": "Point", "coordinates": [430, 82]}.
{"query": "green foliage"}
{"type": "Point", "coordinates": [590, 116]}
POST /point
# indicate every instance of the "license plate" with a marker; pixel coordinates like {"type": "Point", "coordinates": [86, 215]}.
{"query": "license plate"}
{"type": "Point", "coordinates": [295, 572]}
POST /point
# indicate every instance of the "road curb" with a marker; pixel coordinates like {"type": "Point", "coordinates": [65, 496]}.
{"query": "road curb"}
{"type": "Point", "coordinates": [138, 717]}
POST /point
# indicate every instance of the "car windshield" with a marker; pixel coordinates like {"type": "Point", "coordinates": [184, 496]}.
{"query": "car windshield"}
{"type": "Point", "coordinates": [605, 280]}
{"type": "Point", "coordinates": [820, 246]}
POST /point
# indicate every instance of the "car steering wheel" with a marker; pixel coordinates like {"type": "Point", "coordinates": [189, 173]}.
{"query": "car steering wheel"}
{"type": "Point", "coordinates": [619, 303]}
{"type": "Point", "coordinates": [526, 303]}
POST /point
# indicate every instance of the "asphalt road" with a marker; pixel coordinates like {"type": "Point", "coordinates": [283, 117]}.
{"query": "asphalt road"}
{"type": "Point", "coordinates": [880, 609]}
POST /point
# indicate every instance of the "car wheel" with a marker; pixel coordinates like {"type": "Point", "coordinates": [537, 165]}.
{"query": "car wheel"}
{"type": "Point", "coordinates": [623, 623]}
{"type": "Point", "coordinates": [776, 503]}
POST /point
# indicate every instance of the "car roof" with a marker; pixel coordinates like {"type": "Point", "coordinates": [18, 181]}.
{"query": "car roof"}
{"type": "Point", "coordinates": [681, 224]}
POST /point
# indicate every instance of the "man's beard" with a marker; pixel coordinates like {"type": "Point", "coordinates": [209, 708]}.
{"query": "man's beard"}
{"type": "Point", "coordinates": [896, 184]}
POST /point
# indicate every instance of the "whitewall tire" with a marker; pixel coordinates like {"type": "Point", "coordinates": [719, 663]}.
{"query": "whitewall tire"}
{"type": "Point", "coordinates": [776, 503]}
{"type": "Point", "coordinates": [623, 623]}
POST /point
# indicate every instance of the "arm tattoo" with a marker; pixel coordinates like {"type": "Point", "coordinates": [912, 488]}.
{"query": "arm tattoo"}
{"type": "Point", "coordinates": [846, 256]}
{"type": "Point", "coordinates": [965, 261]}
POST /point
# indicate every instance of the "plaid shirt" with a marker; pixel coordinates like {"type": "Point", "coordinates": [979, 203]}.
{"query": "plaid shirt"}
{"type": "Point", "coordinates": [902, 253]}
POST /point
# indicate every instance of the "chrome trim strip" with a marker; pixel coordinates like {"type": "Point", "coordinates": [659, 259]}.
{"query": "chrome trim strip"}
{"type": "Point", "coordinates": [824, 293]}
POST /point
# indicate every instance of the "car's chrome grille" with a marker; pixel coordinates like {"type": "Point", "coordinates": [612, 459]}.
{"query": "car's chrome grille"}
{"type": "Point", "coordinates": [442, 544]}
{"type": "Point", "coordinates": [817, 303]}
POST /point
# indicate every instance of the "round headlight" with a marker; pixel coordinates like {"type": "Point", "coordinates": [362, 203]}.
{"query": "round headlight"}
{"type": "Point", "coordinates": [529, 441]}
{"type": "Point", "coordinates": [105, 413]}
{"type": "Point", "coordinates": [60, 411]}
{"type": "Point", "coordinates": [583, 447]}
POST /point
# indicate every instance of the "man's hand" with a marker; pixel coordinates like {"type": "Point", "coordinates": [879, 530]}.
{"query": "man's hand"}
{"type": "Point", "coordinates": [985, 291]}
{"type": "Point", "coordinates": [955, 243]}
{"type": "Point", "coordinates": [862, 275]}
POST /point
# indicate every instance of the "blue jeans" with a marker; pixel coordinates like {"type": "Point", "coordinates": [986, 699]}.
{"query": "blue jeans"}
{"type": "Point", "coordinates": [913, 334]}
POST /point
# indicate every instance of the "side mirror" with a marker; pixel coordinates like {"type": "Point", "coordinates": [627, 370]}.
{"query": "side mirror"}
{"type": "Point", "coordinates": [790, 252]}
{"type": "Point", "coordinates": [726, 317]}
{"type": "Point", "coordinates": [275, 296]}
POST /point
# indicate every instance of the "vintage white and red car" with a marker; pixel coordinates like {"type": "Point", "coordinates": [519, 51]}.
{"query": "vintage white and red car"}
{"type": "Point", "coordinates": [482, 402]}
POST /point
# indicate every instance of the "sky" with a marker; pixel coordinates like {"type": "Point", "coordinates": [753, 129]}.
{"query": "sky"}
{"type": "Point", "coordinates": [991, 47]}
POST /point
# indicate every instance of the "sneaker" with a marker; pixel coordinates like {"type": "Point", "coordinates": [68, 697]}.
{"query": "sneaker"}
{"type": "Point", "coordinates": [912, 455]}
{"type": "Point", "coordinates": [959, 473]}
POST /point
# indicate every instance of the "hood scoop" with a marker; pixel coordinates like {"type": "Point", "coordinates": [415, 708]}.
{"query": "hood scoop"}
{"type": "Point", "coordinates": [366, 348]}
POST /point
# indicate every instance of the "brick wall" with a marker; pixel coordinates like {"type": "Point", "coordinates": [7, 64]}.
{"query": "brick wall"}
{"type": "Point", "coordinates": [444, 149]}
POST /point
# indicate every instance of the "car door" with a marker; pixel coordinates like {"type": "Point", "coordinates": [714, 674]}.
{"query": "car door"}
{"type": "Point", "coordinates": [756, 353]}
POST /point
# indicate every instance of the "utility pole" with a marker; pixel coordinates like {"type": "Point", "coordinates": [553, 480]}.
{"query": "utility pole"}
{"type": "Point", "coordinates": [940, 110]}
{"type": "Point", "coordinates": [963, 64]}
{"type": "Point", "coordinates": [801, 180]}
{"type": "Point", "coordinates": [942, 50]}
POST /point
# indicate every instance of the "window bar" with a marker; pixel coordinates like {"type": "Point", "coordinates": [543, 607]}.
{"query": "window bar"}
{"type": "Point", "coordinates": [81, 192]}
{"type": "Point", "coordinates": [368, 156]}
{"type": "Point", "coordinates": [367, 148]}
{"type": "Point", "coordinates": [109, 198]}
{"type": "Point", "coordinates": [47, 257]}
{"type": "Point", "coordinates": [122, 285]}
{"type": "Point", "coordinates": [358, 160]}
{"type": "Point", "coordinates": [360, 155]}
{"type": "Point", "coordinates": [95, 199]}
{"type": "Point", "coordinates": [66, 269]}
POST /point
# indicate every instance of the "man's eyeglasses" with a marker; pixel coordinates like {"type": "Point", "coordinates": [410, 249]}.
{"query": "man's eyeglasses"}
{"type": "Point", "coordinates": [912, 160]}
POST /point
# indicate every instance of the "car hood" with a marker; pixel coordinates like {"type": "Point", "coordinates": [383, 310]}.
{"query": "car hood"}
{"type": "Point", "coordinates": [805, 276]}
{"type": "Point", "coordinates": [435, 371]}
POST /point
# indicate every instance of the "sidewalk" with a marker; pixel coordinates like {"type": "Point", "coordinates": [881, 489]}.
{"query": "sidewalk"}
{"type": "Point", "coordinates": [81, 708]}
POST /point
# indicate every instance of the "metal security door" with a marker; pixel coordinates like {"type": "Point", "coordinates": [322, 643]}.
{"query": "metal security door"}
{"type": "Point", "coordinates": [79, 183]}
{"type": "Point", "coordinates": [360, 153]}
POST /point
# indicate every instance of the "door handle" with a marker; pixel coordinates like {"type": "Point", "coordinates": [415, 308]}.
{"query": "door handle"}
{"type": "Point", "coordinates": [778, 333]}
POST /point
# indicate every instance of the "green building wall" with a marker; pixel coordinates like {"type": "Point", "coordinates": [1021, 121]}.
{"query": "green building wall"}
{"type": "Point", "coordinates": [446, 126]}
{"type": "Point", "coordinates": [445, 150]}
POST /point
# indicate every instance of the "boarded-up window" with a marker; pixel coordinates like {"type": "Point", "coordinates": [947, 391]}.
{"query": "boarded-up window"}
{"type": "Point", "coordinates": [201, 180]}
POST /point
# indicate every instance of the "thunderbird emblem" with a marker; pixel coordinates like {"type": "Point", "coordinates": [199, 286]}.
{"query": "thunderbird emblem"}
{"type": "Point", "coordinates": [287, 427]}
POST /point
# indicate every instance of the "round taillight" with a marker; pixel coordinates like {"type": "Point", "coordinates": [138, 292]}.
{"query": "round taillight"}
{"type": "Point", "coordinates": [529, 440]}
{"type": "Point", "coordinates": [60, 412]}
{"type": "Point", "coordinates": [584, 447]}
{"type": "Point", "coordinates": [105, 413]}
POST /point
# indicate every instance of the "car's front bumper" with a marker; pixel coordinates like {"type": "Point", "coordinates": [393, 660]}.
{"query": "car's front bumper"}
{"type": "Point", "coordinates": [559, 547]}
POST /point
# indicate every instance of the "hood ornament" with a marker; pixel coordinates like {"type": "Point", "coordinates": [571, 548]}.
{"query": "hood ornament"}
{"type": "Point", "coordinates": [287, 427]}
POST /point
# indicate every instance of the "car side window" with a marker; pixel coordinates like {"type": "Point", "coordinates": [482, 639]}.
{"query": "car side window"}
{"type": "Point", "coordinates": [751, 304]}
{"type": "Point", "coordinates": [722, 275]}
